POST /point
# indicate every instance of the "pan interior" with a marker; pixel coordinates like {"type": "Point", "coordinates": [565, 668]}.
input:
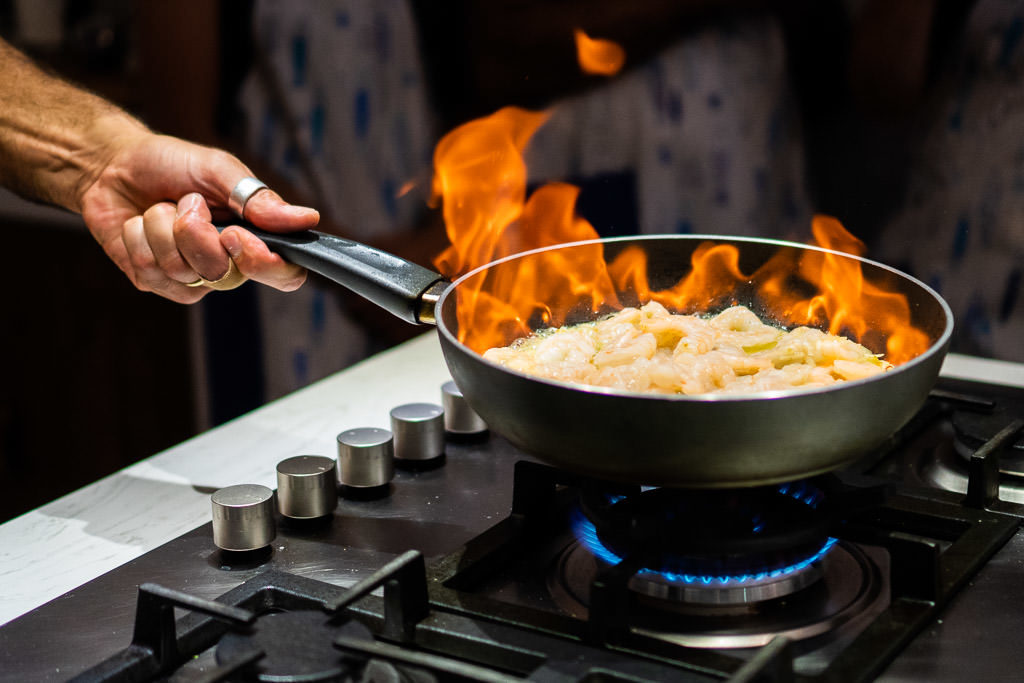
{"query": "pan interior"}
{"type": "Point", "coordinates": [668, 260]}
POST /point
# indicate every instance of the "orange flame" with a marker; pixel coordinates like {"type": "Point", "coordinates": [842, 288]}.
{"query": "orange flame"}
{"type": "Point", "coordinates": [847, 303]}
{"type": "Point", "coordinates": [407, 187]}
{"type": "Point", "coordinates": [598, 56]}
{"type": "Point", "coordinates": [480, 173]}
{"type": "Point", "coordinates": [480, 177]}
{"type": "Point", "coordinates": [709, 285]}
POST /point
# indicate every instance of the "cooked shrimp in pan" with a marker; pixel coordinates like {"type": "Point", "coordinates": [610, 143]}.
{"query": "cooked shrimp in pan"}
{"type": "Point", "coordinates": [651, 350]}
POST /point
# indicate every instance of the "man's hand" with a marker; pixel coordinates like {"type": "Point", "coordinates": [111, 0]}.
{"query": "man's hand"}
{"type": "Point", "coordinates": [148, 199]}
{"type": "Point", "coordinates": [162, 246]}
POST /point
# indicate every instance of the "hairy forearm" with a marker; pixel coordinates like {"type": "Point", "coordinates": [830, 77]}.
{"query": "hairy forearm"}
{"type": "Point", "coordinates": [54, 138]}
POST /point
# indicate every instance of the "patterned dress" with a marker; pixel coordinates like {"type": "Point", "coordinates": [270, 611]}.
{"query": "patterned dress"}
{"type": "Point", "coordinates": [961, 226]}
{"type": "Point", "coordinates": [341, 112]}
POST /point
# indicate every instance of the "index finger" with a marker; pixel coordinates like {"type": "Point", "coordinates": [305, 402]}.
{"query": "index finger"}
{"type": "Point", "coordinates": [255, 260]}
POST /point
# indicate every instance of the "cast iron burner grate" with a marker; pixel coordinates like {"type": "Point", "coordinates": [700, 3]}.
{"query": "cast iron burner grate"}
{"type": "Point", "coordinates": [281, 627]}
{"type": "Point", "coordinates": [294, 646]}
{"type": "Point", "coordinates": [932, 546]}
{"type": "Point", "coordinates": [978, 421]}
{"type": "Point", "coordinates": [969, 445]}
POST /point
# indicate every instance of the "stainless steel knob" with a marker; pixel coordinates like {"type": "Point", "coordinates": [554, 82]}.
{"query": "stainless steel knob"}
{"type": "Point", "coordinates": [459, 418]}
{"type": "Point", "coordinates": [366, 457]}
{"type": "Point", "coordinates": [418, 430]}
{"type": "Point", "coordinates": [243, 517]}
{"type": "Point", "coordinates": [307, 486]}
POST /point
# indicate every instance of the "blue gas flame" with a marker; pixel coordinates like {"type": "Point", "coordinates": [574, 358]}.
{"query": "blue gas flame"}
{"type": "Point", "coordinates": [809, 495]}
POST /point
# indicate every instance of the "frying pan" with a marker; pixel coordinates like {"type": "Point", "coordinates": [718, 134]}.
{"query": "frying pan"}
{"type": "Point", "coordinates": [710, 441]}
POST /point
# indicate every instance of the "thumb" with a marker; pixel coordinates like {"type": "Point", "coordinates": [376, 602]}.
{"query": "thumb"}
{"type": "Point", "coordinates": [220, 171]}
{"type": "Point", "coordinates": [267, 210]}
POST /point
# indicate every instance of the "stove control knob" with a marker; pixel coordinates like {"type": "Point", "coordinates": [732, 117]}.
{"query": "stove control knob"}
{"type": "Point", "coordinates": [307, 486]}
{"type": "Point", "coordinates": [459, 418]}
{"type": "Point", "coordinates": [366, 457]}
{"type": "Point", "coordinates": [243, 517]}
{"type": "Point", "coordinates": [418, 430]}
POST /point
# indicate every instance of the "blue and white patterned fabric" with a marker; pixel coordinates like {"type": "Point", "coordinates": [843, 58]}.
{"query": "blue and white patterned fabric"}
{"type": "Point", "coordinates": [708, 129]}
{"type": "Point", "coordinates": [351, 84]}
{"type": "Point", "coordinates": [961, 228]}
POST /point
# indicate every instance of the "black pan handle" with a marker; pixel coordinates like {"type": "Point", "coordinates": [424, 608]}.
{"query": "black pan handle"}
{"type": "Point", "coordinates": [401, 287]}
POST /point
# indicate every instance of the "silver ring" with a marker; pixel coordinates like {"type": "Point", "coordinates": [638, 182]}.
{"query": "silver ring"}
{"type": "Point", "coordinates": [243, 192]}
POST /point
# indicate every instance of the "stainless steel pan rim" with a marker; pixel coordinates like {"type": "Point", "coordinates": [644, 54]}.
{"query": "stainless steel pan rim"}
{"type": "Point", "coordinates": [760, 396]}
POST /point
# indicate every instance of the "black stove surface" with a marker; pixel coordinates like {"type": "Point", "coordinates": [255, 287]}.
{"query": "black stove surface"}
{"type": "Point", "coordinates": [432, 511]}
{"type": "Point", "coordinates": [488, 578]}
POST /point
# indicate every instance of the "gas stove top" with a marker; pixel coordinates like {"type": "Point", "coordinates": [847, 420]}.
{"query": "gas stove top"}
{"type": "Point", "coordinates": [490, 566]}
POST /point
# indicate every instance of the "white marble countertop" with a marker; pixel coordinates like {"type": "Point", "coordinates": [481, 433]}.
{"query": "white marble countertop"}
{"type": "Point", "coordinates": [61, 545]}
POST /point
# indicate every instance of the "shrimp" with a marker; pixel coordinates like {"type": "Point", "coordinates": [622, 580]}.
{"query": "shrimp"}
{"type": "Point", "coordinates": [651, 350]}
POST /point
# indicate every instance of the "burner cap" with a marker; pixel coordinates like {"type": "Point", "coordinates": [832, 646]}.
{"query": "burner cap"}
{"type": "Point", "coordinates": [297, 646]}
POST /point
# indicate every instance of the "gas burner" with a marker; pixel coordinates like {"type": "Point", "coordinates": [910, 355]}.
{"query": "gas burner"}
{"type": "Point", "coordinates": [848, 587]}
{"type": "Point", "coordinates": [711, 547]}
{"type": "Point", "coordinates": [976, 447]}
{"type": "Point", "coordinates": [997, 431]}
{"type": "Point", "coordinates": [947, 467]}
{"type": "Point", "coordinates": [978, 422]}
{"type": "Point", "coordinates": [708, 588]}
{"type": "Point", "coordinates": [295, 646]}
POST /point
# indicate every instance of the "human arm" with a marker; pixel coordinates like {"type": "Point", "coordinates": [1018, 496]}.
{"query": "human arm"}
{"type": "Point", "coordinates": [67, 147]}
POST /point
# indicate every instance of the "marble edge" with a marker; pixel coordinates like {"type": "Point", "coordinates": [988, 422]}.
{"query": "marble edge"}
{"type": "Point", "coordinates": [959, 366]}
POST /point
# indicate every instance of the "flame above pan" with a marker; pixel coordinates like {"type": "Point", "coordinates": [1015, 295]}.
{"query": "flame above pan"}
{"type": "Point", "coordinates": [481, 180]}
